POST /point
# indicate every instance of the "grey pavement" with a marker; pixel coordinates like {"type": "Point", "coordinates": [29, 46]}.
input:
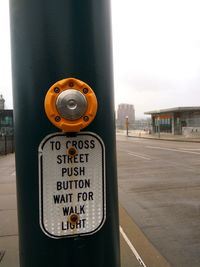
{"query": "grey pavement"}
{"type": "Point", "coordinates": [9, 251]}
{"type": "Point", "coordinates": [156, 136]}
{"type": "Point", "coordinates": [8, 213]}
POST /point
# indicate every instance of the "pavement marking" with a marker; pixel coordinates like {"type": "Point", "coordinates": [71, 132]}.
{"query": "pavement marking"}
{"type": "Point", "coordinates": [143, 156]}
{"type": "Point", "coordinates": [130, 139]}
{"type": "Point", "coordinates": [173, 149]}
{"type": "Point", "coordinates": [132, 247]}
{"type": "Point", "coordinates": [195, 149]}
{"type": "Point", "coordinates": [137, 155]}
{"type": "Point", "coordinates": [13, 174]}
{"type": "Point", "coordinates": [2, 253]}
{"type": "Point", "coordinates": [150, 255]}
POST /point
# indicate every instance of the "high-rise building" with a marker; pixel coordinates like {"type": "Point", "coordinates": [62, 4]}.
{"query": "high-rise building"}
{"type": "Point", "coordinates": [125, 111]}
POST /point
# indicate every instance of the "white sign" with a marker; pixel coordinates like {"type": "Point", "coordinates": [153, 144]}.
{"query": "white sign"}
{"type": "Point", "coordinates": [72, 184]}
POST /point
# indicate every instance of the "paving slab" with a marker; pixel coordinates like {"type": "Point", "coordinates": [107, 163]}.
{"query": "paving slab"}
{"type": "Point", "coordinates": [7, 202]}
{"type": "Point", "coordinates": [9, 244]}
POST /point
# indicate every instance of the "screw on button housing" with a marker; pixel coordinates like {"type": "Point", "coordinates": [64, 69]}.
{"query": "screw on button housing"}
{"type": "Point", "coordinates": [70, 104]}
{"type": "Point", "coordinates": [85, 90]}
{"type": "Point", "coordinates": [56, 90]}
{"type": "Point", "coordinates": [71, 84]}
{"type": "Point", "coordinates": [57, 118]}
{"type": "Point", "coordinates": [86, 118]}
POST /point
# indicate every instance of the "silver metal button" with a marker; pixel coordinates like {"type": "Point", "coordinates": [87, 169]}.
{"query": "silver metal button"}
{"type": "Point", "coordinates": [71, 104]}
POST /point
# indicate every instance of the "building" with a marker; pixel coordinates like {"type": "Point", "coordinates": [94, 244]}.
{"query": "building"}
{"type": "Point", "coordinates": [2, 102]}
{"type": "Point", "coordinates": [6, 122]}
{"type": "Point", "coordinates": [179, 120]}
{"type": "Point", "coordinates": [125, 111]}
{"type": "Point", "coordinates": [142, 124]}
{"type": "Point", "coordinates": [6, 119]}
{"type": "Point", "coordinates": [6, 129]}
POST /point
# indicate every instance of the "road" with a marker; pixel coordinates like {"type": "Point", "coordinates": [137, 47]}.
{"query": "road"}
{"type": "Point", "coordinates": [159, 192]}
{"type": "Point", "coordinates": [159, 187]}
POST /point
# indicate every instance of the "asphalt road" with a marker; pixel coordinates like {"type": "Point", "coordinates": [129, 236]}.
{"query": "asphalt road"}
{"type": "Point", "coordinates": [159, 187]}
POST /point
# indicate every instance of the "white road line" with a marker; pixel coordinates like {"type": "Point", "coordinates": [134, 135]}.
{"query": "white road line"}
{"type": "Point", "coordinates": [132, 247]}
{"type": "Point", "coordinates": [136, 155]}
{"type": "Point", "coordinates": [195, 149]}
{"type": "Point", "coordinates": [173, 149]}
{"type": "Point", "coordinates": [13, 174]}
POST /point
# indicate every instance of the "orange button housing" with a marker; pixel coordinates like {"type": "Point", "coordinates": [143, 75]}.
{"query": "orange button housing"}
{"type": "Point", "coordinates": [53, 114]}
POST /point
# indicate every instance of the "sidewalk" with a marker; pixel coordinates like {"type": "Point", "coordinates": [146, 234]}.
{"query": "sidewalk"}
{"type": "Point", "coordinates": [162, 136]}
{"type": "Point", "coordinates": [9, 250]}
{"type": "Point", "coordinates": [8, 213]}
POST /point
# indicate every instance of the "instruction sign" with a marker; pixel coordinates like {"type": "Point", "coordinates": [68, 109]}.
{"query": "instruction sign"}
{"type": "Point", "coordinates": [71, 184]}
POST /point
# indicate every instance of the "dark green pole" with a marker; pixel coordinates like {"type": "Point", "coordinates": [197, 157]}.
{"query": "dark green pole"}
{"type": "Point", "coordinates": [53, 40]}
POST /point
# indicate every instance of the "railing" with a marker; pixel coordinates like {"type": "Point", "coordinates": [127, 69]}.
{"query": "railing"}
{"type": "Point", "coordinates": [6, 144]}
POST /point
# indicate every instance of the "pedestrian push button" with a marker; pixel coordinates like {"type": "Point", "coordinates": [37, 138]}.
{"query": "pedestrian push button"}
{"type": "Point", "coordinates": [70, 104]}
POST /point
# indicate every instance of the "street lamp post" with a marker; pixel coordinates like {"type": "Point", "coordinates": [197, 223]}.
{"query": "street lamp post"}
{"type": "Point", "coordinates": [127, 124]}
{"type": "Point", "coordinates": [159, 126]}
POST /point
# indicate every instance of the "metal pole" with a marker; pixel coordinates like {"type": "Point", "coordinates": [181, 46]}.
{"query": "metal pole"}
{"type": "Point", "coordinates": [5, 144]}
{"type": "Point", "coordinates": [159, 126]}
{"type": "Point", "coordinates": [53, 40]}
{"type": "Point", "coordinates": [127, 125]}
{"type": "Point", "coordinates": [12, 143]}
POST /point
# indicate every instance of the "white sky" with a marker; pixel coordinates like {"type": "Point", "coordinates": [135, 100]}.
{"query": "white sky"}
{"type": "Point", "coordinates": [5, 59]}
{"type": "Point", "coordinates": [156, 53]}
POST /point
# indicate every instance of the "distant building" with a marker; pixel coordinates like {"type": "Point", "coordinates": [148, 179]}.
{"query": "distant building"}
{"type": "Point", "coordinates": [179, 120]}
{"type": "Point", "coordinates": [6, 122]}
{"type": "Point", "coordinates": [142, 124]}
{"type": "Point", "coordinates": [2, 102]}
{"type": "Point", "coordinates": [6, 119]}
{"type": "Point", "coordinates": [125, 110]}
{"type": "Point", "coordinates": [6, 129]}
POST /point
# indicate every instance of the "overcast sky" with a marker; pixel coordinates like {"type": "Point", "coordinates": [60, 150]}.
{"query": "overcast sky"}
{"type": "Point", "coordinates": [156, 53]}
{"type": "Point", "coordinates": [5, 61]}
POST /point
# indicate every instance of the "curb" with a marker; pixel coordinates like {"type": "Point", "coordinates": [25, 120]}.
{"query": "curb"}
{"type": "Point", "coordinates": [164, 139]}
